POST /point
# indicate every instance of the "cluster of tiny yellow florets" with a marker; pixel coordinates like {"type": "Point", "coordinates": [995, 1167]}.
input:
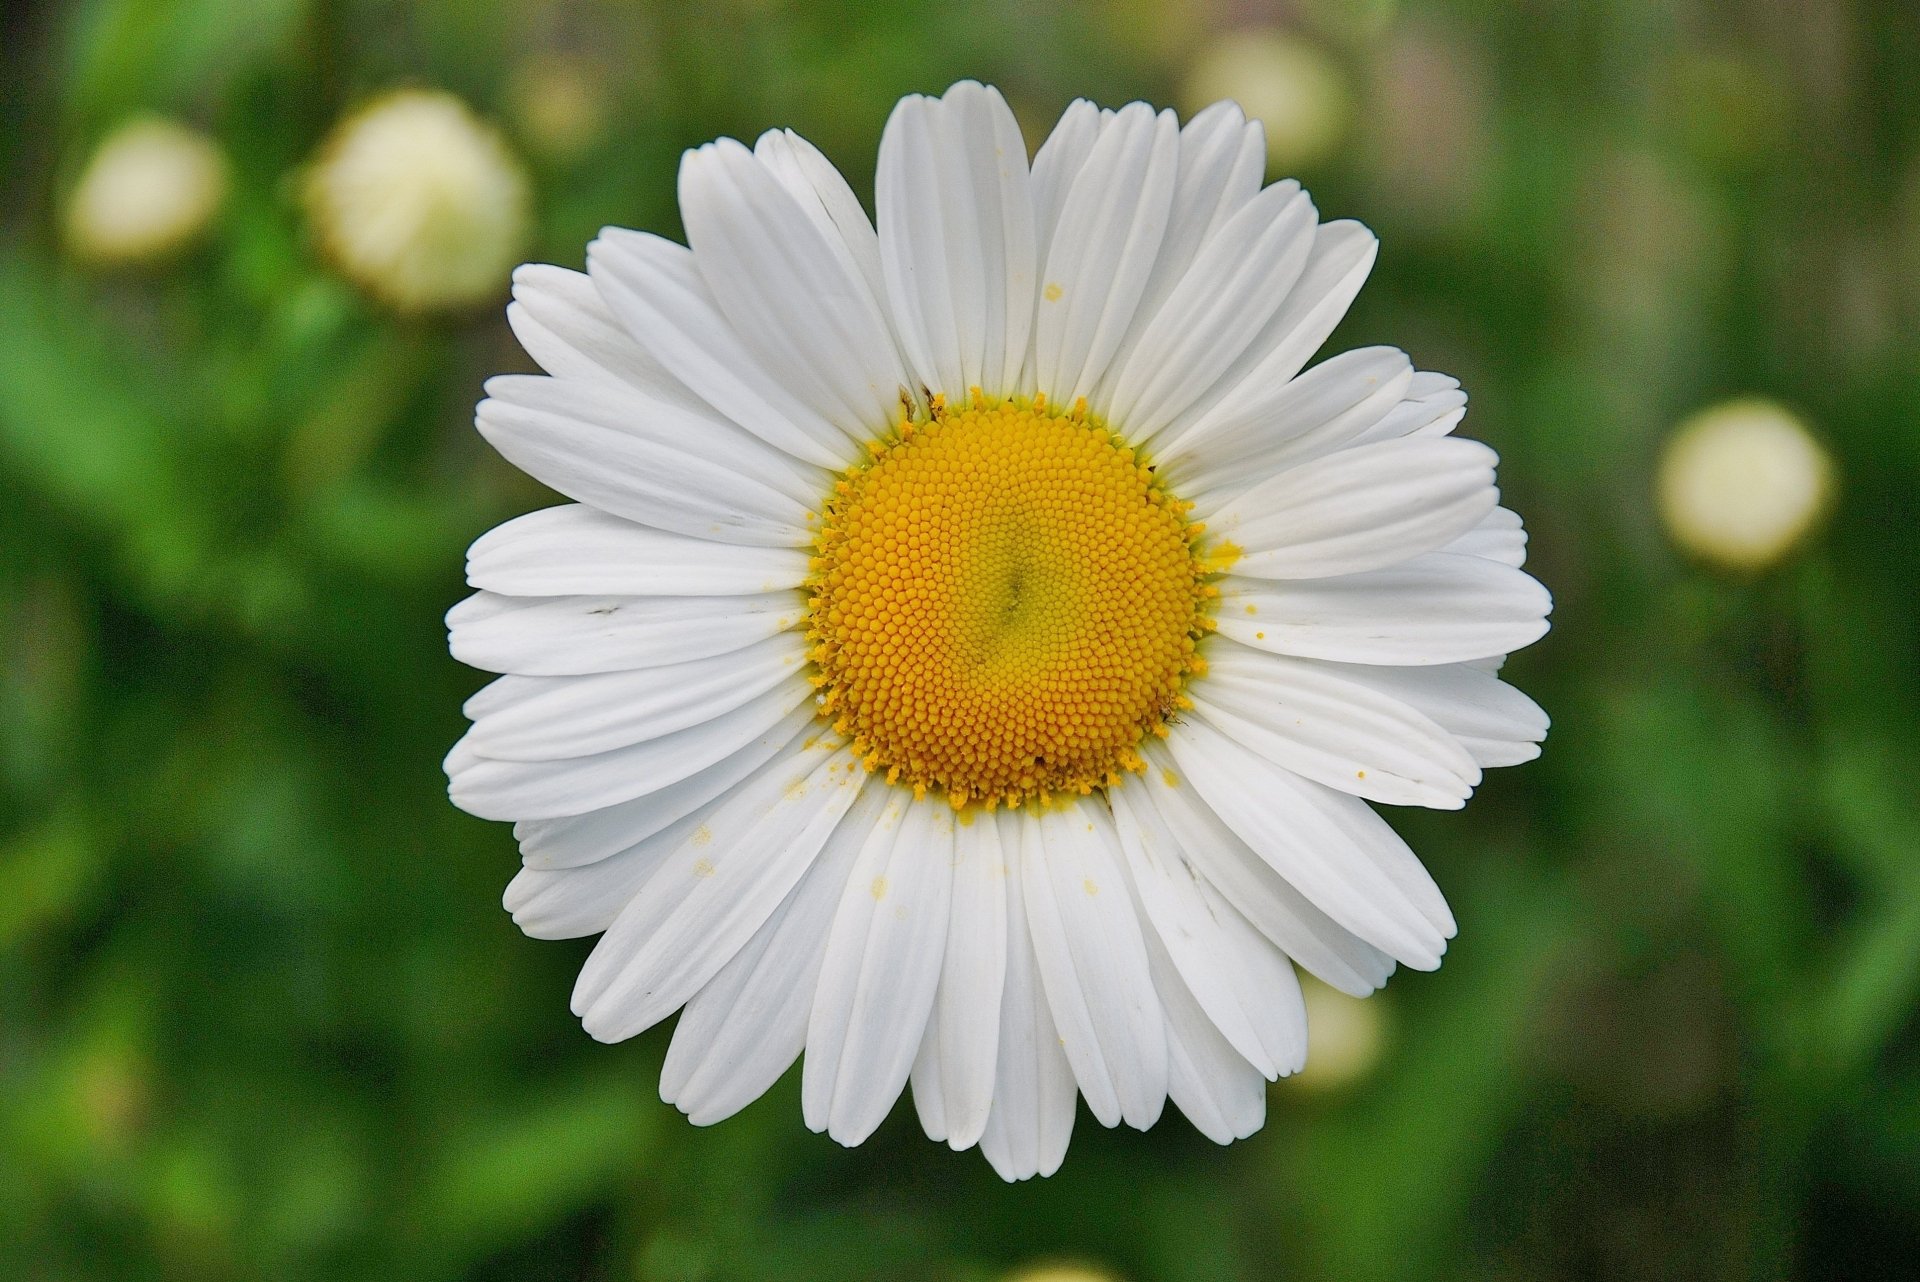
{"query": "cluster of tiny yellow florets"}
{"type": "Point", "coordinates": [1005, 601]}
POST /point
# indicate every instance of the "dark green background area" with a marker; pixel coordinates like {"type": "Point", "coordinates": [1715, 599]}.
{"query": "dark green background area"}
{"type": "Point", "coordinates": [261, 1015]}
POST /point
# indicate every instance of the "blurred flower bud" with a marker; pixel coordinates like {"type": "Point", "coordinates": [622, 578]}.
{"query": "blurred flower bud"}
{"type": "Point", "coordinates": [1060, 1273]}
{"type": "Point", "coordinates": [419, 202]}
{"type": "Point", "coordinates": [1293, 88]}
{"type": "Point", "coordinates": [150, 187]}
{"type": "Point", "coordinates": [113, 1097]}
{"type": "Point", "coordinates": [1345, 1036]}
{"type": "Point", "coordinates": [559, 104]}
{"type": "Point", "coordinates": [1741, 482]}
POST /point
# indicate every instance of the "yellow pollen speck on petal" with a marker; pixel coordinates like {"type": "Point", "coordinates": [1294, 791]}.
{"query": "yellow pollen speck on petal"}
{"type": "Point", "coordinates": [702, 835]}
{"type": "Point", "coordinates": [702, 869]}
{"type": "Point", "coordinates": [1220, 559]}
{"type": "Point", "coordinates": [1089, 887]}
{"type": "Point", "coordinates": [1003, 603]}
{"type": "Point", "coordinates": [1169, 778]}
{"type": "Point", "coordinates": [878, 889]}
{"type": "Point", "coordinates": [1053, 292]}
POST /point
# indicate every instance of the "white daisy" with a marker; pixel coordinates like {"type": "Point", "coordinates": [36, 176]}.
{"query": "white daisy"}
{"type": "Point", "coordinates": [973, 644]}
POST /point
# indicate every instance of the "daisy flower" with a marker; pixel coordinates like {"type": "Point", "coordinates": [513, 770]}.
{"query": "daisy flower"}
{"type": "Point", "coordinates": [974, 642]}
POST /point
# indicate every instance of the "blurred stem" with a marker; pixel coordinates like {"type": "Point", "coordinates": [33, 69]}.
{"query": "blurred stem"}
{"type": "Point", "coordinates": [1854, 1008]}
{"type": "Point", "coordinates": [1862, 796]}
{"type": "Point", "coordinates": [1385, 1189]}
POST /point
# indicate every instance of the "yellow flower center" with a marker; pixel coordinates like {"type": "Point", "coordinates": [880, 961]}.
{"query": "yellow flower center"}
{"type": "Point", "coordinates": [1004, 602]}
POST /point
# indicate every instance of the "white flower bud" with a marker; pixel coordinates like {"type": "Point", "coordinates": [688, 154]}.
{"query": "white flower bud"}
{"type": "Point", "coordinates": [1290, 86]}
{"type": "Point", "coordinates": [1741, 483]}
{"type": "Point", "coordinates": [1061, 1273]}
{"type": "Point", "coordinates": [151, 187]}
{"type": "Point", "coordinates": [1345, 1036]}
{"type": "Point", "coordinates": [420, 202]}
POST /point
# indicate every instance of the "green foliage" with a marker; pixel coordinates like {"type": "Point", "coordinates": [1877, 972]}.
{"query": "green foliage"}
{"type": "Point", "coordinates": [261, 1016]}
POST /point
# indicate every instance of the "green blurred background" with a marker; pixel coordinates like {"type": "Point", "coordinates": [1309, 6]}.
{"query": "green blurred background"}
{"type": "Point", "coordinates": [261, 1015]}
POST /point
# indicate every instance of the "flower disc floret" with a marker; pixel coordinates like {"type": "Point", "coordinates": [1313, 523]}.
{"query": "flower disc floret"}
{"type": "Point", "coordinates": [1004, 602]}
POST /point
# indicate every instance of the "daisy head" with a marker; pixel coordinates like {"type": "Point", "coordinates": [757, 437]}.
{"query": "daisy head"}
{"type": "Point", "coordinates": [975, 639]}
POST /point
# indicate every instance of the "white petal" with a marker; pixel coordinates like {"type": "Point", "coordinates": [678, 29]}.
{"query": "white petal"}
{"type": "Point", "coordinates": [1058, 162]}
{"type": "Point", "coordinates": [566, 903]}
{"type": "Point", "coordinates": [568, 899]}
{"type": "Point", "coordinates": [810, 320]}
{"type": "Point", "coordinates": [929, 1097]}
{"type": "Point", "coordinates": [652, 285]}
{"type": "Point", "coordinates": [824, 196]}
{"type": "Point", "coordinates": [573, 840]}
{"type": "Point", "coordinates": [1243, 983]}
{"type": "Point", "coordinates": [1342, 255]}
{"type": "Point", "coordinates": [1093, 963]}
{"type": "Point", "coordinates": [1434, 406]}
{"type": "Point", "coordinates": [882, 966]}
{"type": "Point", "coordinates": [1165, 803]}
{"type": "Point", "coordinates": [957, 238]}
{"type": "Point", "coordinates": [713, 892]}
{"type": "Point", "coordinates": [1099, 256]}
{"type": "Point", "coordinates": [1317, 722]}
{"type": "Point", "coordinates": [747, 1026]}
{"type": "Point", "coordinates": [550, 718]}
{"type": "Point", "coordinates": [1495, 722]}
{"type": "Point", "coordinates": [1431, 386]}
{"type": "Point", "coordinates": [1033, 1089]}
{"type": "Point", "coordinates": [1437, 608]}
{"type": "Point", "coordinates": [578, 635]}
{"type": "Point", "coordinates": [1360, 509]}
{"type": "Point", "coordinates": [564, 324]}
{"type": "Point", "coordinates": [1383, 848]}
{"type": "Point", "coordinates": [1237, 281]}
{"type": "Point", "coordinates": [1223, 1095]}
{"type": "Point", "coordinates": [651, 463]}
{"type": "Point", "coordinates": [560, 551]}
{"type": "Point", "coordinates": [1223, 157]}
{"type": "Point", "coordinates": [955, 1070]}
{"type": "Point", "coordinates": [1499, 537]}
{"type": "Point", "coordinates": [644, 419]}
{"type": "Point", "coordinates": [1227, 453]}
{"type": "Point", "coordinates": [493, 789]}
{"type": "Point", "coordinates": [1281, 818]}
